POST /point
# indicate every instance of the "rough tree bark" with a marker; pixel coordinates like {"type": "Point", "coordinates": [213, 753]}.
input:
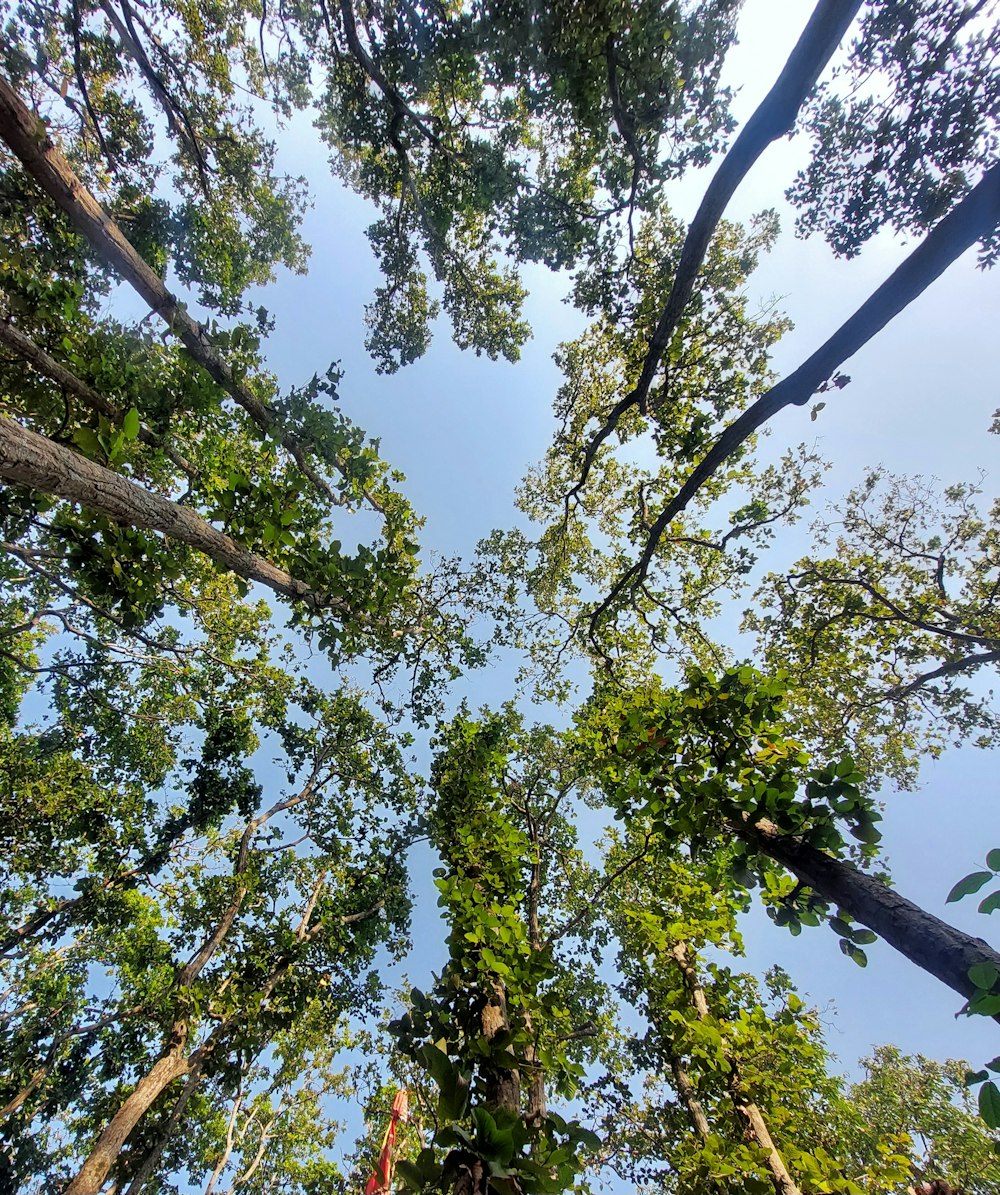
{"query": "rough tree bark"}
{"type": "Point", "coordinates": [29, 459]}
{"type": "Point", "coordinates": [938, 948]}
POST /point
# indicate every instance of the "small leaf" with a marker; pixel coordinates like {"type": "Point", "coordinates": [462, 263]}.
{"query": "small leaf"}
{"type": "Point", "coordinates": [130, 424]}
{"type": "Point", "coordinates": [974, 1077]}
{"type": "Point", "coordinates": [984, 976]}
{"type": "Point", "coordinates": [991, 903]}
{"type": "Point", "coordinates": [989, 1104]}
{"type": "Point", "coordinates": [993, 859]}
{"type": "Point", "coordinates": [969, 884]}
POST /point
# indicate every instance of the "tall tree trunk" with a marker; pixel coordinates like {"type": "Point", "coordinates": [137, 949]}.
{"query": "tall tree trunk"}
{"type": "Point", "coordinates": [774, 118]}
{"type": "Point", "coordinates": [28, 459]}
{"type": "Point", "coordinates": [689, 1098]}
{"type": "Point", "coordinates": [945, 952]}
{"type": "Point", "coordinates": [747, 1112]}
{"type": "Point", "coordinates": [172, 1064]}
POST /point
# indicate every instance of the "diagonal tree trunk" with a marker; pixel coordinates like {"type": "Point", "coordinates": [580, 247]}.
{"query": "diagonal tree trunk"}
{"type": "Point", "coordinates": [28, 459]}
{"type": "Point", "coordinates": [940, 949]}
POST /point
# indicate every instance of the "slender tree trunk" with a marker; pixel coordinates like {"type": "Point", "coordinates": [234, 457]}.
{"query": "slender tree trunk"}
{"type": "Point", "coordinates": [689, 1097]}
{"type": "Point", "coordinates": [27, 138]}
{"type": "Point", "coordinates": [29, 459]}
{"type": "Point", "coordinates": [775, 117]}
{"type": "Point", "coordinates": [36, 1080]}
{"type": "Point", "coordinates": [747, 1112]}
{"type": "Point", "coordinates": [945, 952]}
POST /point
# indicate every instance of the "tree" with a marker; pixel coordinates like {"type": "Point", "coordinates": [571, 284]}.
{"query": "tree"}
{"type": "Point", "coordinates": [240, 918]}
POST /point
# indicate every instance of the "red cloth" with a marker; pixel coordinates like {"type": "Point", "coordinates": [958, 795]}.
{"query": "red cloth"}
{"type": "Point", "coordinates": [381, 1178]}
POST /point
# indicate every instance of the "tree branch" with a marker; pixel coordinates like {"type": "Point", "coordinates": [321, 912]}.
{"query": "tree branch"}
{"type": "Point", "coordinates": [774, 117]}
{"type": "Point", "coordinates": [968, 222]}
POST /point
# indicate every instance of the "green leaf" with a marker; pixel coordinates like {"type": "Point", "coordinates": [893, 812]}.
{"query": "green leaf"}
{"type": "Point", "coordinates": [984, 976]}
{"type": "Point", "coordinates": [87, 439]}
{"type": "Point", "coordinates": [974, 1077]}
{"type": "Point", "coordinates": [989, 1104]}
{"type": "Point", "coordinates": [993, 859]}
{"type": "Point", "coordinates": [969, 884]}
{"type": "Point", "coordinates": [991, 903]}
{"type": "Point", "coordinates": [130, 424]}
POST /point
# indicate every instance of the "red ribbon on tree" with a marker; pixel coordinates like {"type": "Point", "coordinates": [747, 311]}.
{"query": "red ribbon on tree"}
{"type": "Point", "coordinates": [381, 1179]}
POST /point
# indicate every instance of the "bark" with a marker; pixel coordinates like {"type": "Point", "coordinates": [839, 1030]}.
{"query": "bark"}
{"type": "Point", "coordinates": [685, 1089]}
{"type": "Point", "coordinates": [173, 1064]}
{"type": "Point", "coordinates": [747, 1112]}
{"type": "Point", "coordinates": [976, 217]}
{"type": "Point", "coordinates": [27, 138]}
{"type": "Point", "coordinates": [39, 359]}
{"type": "Point", "coordinates": [774, 118]}
{"type": "Point", "coordinates": [503, 1084]}
{"type": "Point", "coordinates": [940, 949]}
{"type": "Point", "coordinates": [194, 1074]}
{"type": "Point", "coordinates": [29, 459]}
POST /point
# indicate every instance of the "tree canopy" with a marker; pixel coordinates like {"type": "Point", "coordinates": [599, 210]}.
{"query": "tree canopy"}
{"type": "Point", "coordinates": [243, 741]}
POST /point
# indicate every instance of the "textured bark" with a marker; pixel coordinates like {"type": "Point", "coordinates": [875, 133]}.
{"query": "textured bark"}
{"type": "Point", "coordinates": [27, 138]}
{"type": "Point", "coordinates": [35, 356]}
{"type": "Point", "coordinates": [747, 1112]}
{"type": "Point", "coordinates": [170, 1066]}
{"type": "Point", "coordinates": [775, 117]}
{"type": "Point", "coordinates": [940, 949]}
{"type": "Point", "coordinates": [503, 1084]}
{"type": "Point", "coordinates": [685, 1089]}
{"type": "Point", "coordinates": [29, 459]}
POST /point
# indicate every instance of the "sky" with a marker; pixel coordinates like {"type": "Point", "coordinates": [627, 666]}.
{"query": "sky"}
{"type": "Point", "coordinates": [465, 430]}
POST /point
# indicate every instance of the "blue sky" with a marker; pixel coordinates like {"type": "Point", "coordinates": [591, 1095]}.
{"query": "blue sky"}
{"type": "Point", "coordinates": [464, 430]}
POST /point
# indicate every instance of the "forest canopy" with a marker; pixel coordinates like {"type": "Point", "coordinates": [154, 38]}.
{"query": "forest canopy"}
{"type": "Point", "coordinates": [252, 727]}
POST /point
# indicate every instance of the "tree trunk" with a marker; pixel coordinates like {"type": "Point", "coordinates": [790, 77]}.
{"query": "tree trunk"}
{"type": "Point", "coordinates": [747, 1112]}
{"type": "Point", "coordinates": [947, 953]}
{"type": "Point", "coordinates": [171, 1065]}
{"type": "Point", "coordinates": [29, 459]}
{"type": "Point", "coordinates": [689, 1097]}
{"type": "Point", "coordinates": [27, 138]}
{"type": "Point", "coordinates": [774, 117]}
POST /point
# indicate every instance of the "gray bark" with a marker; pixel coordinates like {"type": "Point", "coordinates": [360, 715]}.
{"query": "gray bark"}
{"type": "Point", "coordinates": [31, 460]}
